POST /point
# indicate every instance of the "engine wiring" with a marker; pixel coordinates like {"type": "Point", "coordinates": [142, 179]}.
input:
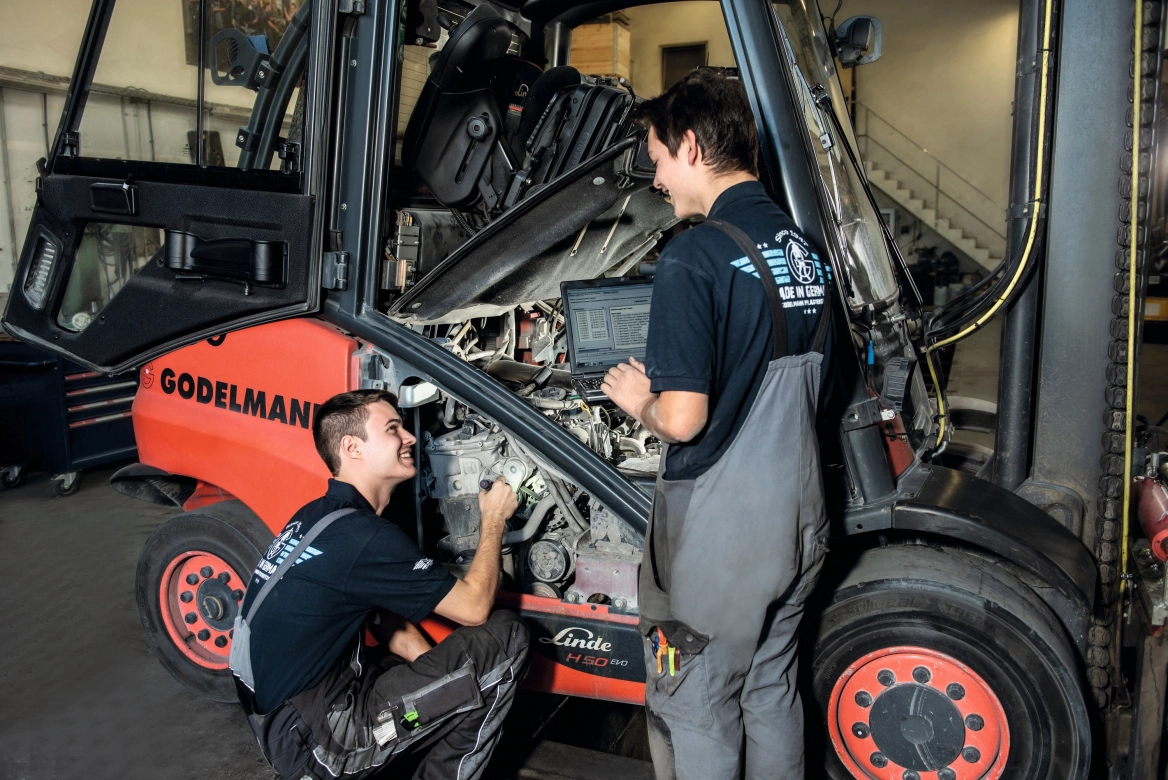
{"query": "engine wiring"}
{"type": "Point", "coordinates": [1025, 260]}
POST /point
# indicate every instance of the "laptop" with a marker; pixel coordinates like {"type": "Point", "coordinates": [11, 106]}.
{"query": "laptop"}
{"type": "Point", "coordinates": [607, 321]}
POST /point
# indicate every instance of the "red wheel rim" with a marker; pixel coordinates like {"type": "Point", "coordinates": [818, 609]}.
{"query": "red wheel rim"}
{"type": "Point", "coordinates": [199, 597]}
{"type": "Point", "coordinates": [911, 713]}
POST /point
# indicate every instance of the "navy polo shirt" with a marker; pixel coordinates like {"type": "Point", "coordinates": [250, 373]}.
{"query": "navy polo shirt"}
{"type": "Point", "coordinates": [313, 616]}
{"type": "Point", "coordinates": [710, 326]}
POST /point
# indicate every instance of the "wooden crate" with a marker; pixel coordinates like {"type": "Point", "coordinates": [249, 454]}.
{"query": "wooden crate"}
{"type": "Point", "coordinates": [602, 49]}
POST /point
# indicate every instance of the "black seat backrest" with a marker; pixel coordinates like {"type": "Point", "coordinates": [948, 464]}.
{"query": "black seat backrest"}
{"type": "Point", "coordinates": [455, 124]}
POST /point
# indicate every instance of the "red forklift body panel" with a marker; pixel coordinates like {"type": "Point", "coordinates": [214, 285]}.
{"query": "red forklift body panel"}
{"type": "Point", "coordinates": [236, 411]}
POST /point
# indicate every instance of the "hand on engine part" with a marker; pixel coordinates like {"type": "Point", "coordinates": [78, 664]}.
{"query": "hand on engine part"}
{"type": "Point", "coordinates": [627, 385]}
{"type": "Point", "coordinates": [496, 505]}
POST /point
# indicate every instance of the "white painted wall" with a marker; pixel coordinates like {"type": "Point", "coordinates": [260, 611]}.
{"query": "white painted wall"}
{"type": "Point", "coordinates": [652, 27]}
{"type": "Point", "coordinates": [946, 79]}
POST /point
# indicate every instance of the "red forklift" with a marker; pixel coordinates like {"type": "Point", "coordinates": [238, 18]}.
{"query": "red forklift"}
{"type": "Point", "coordinates": [413, 181]}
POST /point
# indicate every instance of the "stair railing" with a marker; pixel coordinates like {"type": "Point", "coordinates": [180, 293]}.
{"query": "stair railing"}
{"type": "Point", "coordinates": [946, 192]}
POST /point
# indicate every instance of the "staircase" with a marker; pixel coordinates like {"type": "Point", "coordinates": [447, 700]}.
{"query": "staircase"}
{"type": "Point", "coordinates": [919, 208]}
{"type": "Point", "coordinates": [932, 192]}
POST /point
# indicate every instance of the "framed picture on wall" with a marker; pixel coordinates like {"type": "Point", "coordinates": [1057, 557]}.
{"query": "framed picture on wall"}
{"type": "Point", "coordinates": [260, 18]}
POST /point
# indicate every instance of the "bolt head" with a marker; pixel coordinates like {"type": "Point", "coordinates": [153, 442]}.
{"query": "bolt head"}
{"type": "Point", "coordinates": [220, 641]}
{"type": "Point", "coordinates": [204, 635]}
{"type": "Point", "coordinates": [206, 571]}
{"type": "Point", "coordinates": [946, 774]}
{"type": "Point", "coordinates": [863, 699]}
{"type": "Point", "coordinates": [974, 722]}
{"type": "Point", "coordinates": [971, 754]}
{"type": "Point", "coordinates": [910, 774]}
{"type": "Point", "coordinates": [192, 579]}
{"type": "Point", "coordinates": [955, 691]}
{"type": "Point", "coordinates": [224, 577]}
{"type": "Point", "coordinates": [878, 759]}
{"type": "Point", "coordinates": [191, 617]}
{"type": "Point", "coordinates": [885, 677]}
{"type": "Point", "coordinates": [860, 730]}
{"type": "Point", "coordinates": [237, 594]}
{"type": "Point", "coordinates": [186, 596]}
{"type": "Point", "coordinates": [922, 675]}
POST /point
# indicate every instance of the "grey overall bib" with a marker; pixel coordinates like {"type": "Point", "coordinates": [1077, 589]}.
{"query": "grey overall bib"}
{"type": "Point", "coordinates": [730, 560]}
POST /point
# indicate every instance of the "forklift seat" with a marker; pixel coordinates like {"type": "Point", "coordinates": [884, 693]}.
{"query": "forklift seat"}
{"type": "Point", "coordinates": [456, 123]}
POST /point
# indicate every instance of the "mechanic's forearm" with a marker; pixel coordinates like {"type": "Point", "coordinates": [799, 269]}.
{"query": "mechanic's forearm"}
{"type": "Point", "coordinates": [408, 642]}
{"type": "Point", "coordinates": [483, 576]}
{"type": "Point", "coordinates": [648, 415]}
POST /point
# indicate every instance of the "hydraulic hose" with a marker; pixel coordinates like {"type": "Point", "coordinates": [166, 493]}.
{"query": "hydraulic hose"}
{"type": "Point", "coordinates": [1133, 275]}
{"type": "Point", "coordinates": [1028, 251]}
{"type": "Point", "coordinates": [533, 523]}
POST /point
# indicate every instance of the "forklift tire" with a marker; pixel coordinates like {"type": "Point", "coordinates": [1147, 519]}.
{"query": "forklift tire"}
{"type": "Point", "coordinates": [191, 578]}
{"type": "Point", "coordinates": [937, 660]}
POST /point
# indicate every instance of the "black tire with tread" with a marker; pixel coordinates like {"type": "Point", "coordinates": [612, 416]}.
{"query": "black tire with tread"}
{"type": "Point", "coordinates": [966, 606]}
{"type": "Point", "coordinates": [227, 529]}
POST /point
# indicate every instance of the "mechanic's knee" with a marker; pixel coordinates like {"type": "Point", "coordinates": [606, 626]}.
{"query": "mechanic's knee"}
{"type": "Point", "coordinates": [511, 632]}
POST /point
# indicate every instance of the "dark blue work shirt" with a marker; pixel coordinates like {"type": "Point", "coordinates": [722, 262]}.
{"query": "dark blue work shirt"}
{"type": "Point", "coordinates": [710, 326]}
{"type": "Point", "coordinates": [314, 614]}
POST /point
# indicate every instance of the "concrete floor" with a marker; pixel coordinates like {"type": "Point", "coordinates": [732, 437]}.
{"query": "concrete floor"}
{"type": "Point", "coordinates": [81, 696]}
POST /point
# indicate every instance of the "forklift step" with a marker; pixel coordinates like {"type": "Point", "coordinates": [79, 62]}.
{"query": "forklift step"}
{"type": "Point", "coordinates": [557, 761]}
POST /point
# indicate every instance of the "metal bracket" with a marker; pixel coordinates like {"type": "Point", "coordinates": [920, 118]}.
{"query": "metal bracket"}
{"type": "Point", "coordinates": [70, 144]}
{"type": "Point", "coordinates": [862, 415]}
{"type": "Point", "coordinates": [335, 273]}
{"type": "Point", "coordinates": [289, 153]}
{"type": "Point", "coordinates": [351, 7]}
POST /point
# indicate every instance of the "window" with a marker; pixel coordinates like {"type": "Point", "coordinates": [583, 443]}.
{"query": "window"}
{"type": "Point", "coordinates": [108, 257]}
{"type": "Point", "coordinates": [144, 103]}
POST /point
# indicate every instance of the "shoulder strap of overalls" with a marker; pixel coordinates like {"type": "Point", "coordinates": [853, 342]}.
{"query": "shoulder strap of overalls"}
{"type": "Point", "coordinates": [778, 315]}
{"type": "Point", "coordinates": [283, 568]}
{"type": "Point", "coordinates": [772, 290]}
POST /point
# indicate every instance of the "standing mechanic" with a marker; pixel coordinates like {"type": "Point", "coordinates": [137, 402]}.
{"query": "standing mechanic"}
{"type": "Point", "coordinates": [330, 705]}
{"type": "Point", "coordinates": [730, 382]}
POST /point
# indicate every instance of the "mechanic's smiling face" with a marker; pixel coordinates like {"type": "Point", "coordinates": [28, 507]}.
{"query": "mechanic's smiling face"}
{"type": "Point", "coordinates": [679, 176]}
{"type": "Point", "coordinates": [387, 451]}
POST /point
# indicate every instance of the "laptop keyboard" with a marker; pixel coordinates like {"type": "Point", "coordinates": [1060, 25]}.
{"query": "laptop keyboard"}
{"type": "Point", "coordinates": [590, 383]}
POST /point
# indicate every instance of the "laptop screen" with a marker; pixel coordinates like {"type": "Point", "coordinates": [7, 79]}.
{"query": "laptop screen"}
{"type": "Point", "coordinates": [607, 323]}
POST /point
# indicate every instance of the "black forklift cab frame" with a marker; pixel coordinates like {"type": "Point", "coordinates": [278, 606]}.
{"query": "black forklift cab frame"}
{"type": "Point", "coordinates": [336, 207]}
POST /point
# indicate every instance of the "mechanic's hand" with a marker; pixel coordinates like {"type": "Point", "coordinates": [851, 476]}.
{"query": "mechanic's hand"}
{"type": "Point", "coordinates": [496, 505]}
{"type": "Point", "coordinates": [627, 386]}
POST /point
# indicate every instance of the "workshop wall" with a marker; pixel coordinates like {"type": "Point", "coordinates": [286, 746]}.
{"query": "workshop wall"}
{"type": "Point", "coordinates": [946, 79]}
{"type": "Point", "coordinates": [678, 24]}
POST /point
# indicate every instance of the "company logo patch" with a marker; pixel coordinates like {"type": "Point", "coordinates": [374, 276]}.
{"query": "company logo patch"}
{"type": "Point", "coordinates": [799, 263]}
{"type": "Point", "coordinates": [424, 564]}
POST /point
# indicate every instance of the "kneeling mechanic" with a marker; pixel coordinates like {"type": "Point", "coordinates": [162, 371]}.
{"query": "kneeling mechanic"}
{"type": "Point", "coordinates": [322, 703]}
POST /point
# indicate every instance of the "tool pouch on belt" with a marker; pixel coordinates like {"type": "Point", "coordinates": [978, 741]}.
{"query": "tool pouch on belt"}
{"type": "Point", "coordinates": [415, 711]}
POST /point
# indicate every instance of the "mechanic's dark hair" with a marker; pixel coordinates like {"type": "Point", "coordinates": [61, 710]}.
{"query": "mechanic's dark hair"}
{"type": "Point", "coordinates": [714, 105]}
{"type": "Point", "coordinates": [344, 415]}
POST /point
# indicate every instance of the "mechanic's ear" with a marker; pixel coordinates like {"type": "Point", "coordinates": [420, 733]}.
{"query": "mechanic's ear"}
{"type": "Point", "coordinates": [351, 448]}
{"type": "Point", "coordinates": [693, 157]}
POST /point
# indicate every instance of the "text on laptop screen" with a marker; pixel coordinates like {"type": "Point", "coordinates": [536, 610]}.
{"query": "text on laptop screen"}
{"type": "Point", "coordinates": [609, 324]}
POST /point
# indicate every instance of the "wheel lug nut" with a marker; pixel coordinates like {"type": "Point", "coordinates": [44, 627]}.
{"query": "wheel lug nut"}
{"type": "Point", "coordinates": [864, 699]}
{"type": "Point", "coordinates": [237, 594]}
{"type": "Point", "coordinates": [922, 675]}
{"type": "Point", "coordinates": [224, 577]}
{"type": "Point", "coordinates": [878, 759]}
{"type": "Point", "coordinates": [186, 596]}
{"type": "Point", "coordinates": [190, 617]}
{"type": "Point", "coordinates": [204, 635]}
{"type": "Point", "coordinates": [974, 722]}
{"type": "Point", "coordinates": [860, 730]}
{"type": "Point", "coordinates": [192, 579]}
{"type": "Point", "coordinates": [910, 774]}
{"type": "Point", "coordinates": [946, 774]}
{"type": "Point", "coordinates": [206, 571]}
{"type": "Point", "coordinates": [955, 691]}
{"type": "Point", "coordinates": [885, 677]}
{"type": "Point", "coordinates": [220, 641]}
{"type": "Point", "coordinates": [971, 754]}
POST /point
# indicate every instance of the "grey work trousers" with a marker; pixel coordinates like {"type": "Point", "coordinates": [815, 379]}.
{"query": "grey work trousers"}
{"type": "Point", "coordinates": [734, 710]}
